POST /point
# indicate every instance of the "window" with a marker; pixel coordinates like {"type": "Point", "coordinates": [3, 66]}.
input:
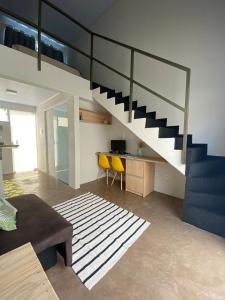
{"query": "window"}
{"type": "Point", "coordinates": [4, 115]}
{"type": "Point", "coordinates": [62, 121]}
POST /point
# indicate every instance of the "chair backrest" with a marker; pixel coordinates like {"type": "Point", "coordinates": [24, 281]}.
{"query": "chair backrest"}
{"type": "Point", "coordinates": [103, 161]}
{"type": "Point", "coordinates": [117, 164]}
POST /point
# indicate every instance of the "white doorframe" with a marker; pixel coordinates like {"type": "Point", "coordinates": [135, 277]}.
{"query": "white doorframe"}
{"type": "Point", "coordinates": [74, 146]}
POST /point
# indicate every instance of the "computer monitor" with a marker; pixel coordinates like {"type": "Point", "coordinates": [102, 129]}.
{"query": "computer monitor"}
{"type": "Point", "coordinates": [118, 146]}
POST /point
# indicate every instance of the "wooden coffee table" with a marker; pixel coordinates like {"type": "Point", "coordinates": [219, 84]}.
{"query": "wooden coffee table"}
{"type": "Point", "coordinates": [22, 276]}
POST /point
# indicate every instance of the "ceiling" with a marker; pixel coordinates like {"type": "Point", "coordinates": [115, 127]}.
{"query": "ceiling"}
{"type": "Point", "coordinates": [85, 11]}
{"type": "Point", "coordinates": [26, 94]}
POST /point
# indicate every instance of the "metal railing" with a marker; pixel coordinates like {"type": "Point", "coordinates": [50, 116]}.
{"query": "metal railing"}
{"type": "Point", "coordinates": [93, 59]}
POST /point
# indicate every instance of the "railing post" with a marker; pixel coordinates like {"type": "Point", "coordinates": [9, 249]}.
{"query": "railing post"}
{"type": "Point", "coordinates": [186, 116]}
{"type": "Point", "coordinates": [131, 85]}
{"type": "Point", "coordinates": [91, 60]}
{"type": "Point", "coordinates": [39, 33]}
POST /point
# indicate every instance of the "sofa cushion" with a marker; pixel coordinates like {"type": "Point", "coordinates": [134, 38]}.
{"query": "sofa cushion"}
{"type": "Point", "coordinates": [7, 215]}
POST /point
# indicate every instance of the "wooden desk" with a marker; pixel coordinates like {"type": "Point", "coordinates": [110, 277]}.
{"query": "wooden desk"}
{"type": "Point", "coordinates": [22, 276]}
{"type": "Point", "coordinates": [140, 173]}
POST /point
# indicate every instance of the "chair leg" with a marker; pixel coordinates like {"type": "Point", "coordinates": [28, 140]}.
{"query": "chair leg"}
{"type": "Point", "coordinates": [121, 181]}
{"type": "Point", "coordinates": [99, 173]}
{"type": "Point", "coordinates": [107, 176]}
{"type": "Point", "coordinates": [114, 177]}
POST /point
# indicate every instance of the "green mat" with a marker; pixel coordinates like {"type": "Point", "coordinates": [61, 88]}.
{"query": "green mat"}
{"type": "Point", "coordinates": [12, 188]}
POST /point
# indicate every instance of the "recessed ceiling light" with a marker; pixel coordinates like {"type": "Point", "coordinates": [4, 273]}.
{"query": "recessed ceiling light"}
{"type": "Point", "coordinates": [11, 91]}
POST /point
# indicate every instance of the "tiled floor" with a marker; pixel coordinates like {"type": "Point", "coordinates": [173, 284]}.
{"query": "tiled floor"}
{"type": "Point", "coordinates": [172, 260]}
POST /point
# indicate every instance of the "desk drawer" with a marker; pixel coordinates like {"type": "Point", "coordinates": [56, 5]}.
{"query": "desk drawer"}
{"type": "Point", "coordinates": [135, 167]}
{"type": "Point", "coordinates": [134, 184]}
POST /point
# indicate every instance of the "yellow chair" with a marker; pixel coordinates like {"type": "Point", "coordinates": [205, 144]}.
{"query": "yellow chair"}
{"type": "Point", "coordinates": [117, 166]}
{"type": "Point", "coordinates": [104, 164]}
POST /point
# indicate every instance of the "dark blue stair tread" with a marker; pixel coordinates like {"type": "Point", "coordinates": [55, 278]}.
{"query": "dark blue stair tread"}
{"type": "Point", "coordinates": [104, 89]}
{"type": "Point", "coordinates": [95, 85]}
{"type": "Point", "coordinates": [208, 220]}
{"type": "Point", "coordinates": [206, 200]}
{"type": "Point", "coordinates": [141, 108]}
{"type": "Point", "coordinates": [119, 95]}
{"type": "Point", "coordinates": [121, 100]}
{"type": "Point", "coordinates": [207, 167]}
{"type": "Point", "coordinates": [194, 146]}
{"type": "Point", "coordinates": [211, 184]}
{"type": "Point", "coordinates": [220, 211]}
{"type": "Point", "coordinates": [169, 131]}
{"type": "Point", "coordinates": [210, 177]}
{"type": "Point", "coordinates": [151, 123]}
{"type": "Point", "coordinates": [179, 141]}
{"type": "Point", "coordinates": [212, 157]}
{"type": "Point", "coordinates": [140, 112]}
{"type": "Point", "coordinates": [181, 136]}
{"type": "Point", "coordinates": [111, 94]}
{"type": "Point", "coordinates": [126, 105]}
{"type": "Point", "coordinates": [196, 153]}
{"type": "Point", "coordinates": [151, 115]}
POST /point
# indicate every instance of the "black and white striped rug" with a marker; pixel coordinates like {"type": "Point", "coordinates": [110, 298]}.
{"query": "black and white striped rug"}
{"type": "Point", "coordinates": [102, 233]}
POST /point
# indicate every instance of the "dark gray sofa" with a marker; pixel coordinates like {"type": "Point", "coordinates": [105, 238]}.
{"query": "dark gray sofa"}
{"type": "Point", "coordinates": [41, 225]}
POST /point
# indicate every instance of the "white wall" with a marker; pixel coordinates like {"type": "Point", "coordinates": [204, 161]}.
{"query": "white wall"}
{"type": "Point", "coordinates": [191, 33]}
{"type": "Point", "coordinates": [93, 138]}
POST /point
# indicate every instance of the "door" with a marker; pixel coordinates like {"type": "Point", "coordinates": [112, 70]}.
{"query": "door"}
{"type": "Point", "coordinates": [61, 142]}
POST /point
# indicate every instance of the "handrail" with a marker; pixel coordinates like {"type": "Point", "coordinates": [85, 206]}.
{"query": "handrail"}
{"type": "Point", "coordinates": [145, 53]}
{"type": "Point", "coordinates": [159, 96]}
{"type": "Point", "coordinates": [111, 68]}
{"type": "Point", "coordinates": [52, 35]}
{"type": "Point", "coordinates": [92, 58]}
{"type": "Point", "coordinates": [139, 84]}
{"type": "Point", "coordinates": [39, 34]}
{"type": "Point", "coordinates": [163, 60]}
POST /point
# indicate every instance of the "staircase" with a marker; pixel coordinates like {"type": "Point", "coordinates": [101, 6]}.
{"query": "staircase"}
{"type": "Point", "coordinates": [204, 203]}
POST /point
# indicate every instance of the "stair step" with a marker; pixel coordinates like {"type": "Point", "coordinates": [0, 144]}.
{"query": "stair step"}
{"type": "Point", "coordinates": [152, 123]}
{"type": "Point", "coordinates": [213, 185]}
{"type": "Point", "coordinates": [205, 200]}
{"type": "Point", "coordinates": [94, 85]}
{"type": "Point", "coordinates": [214, 157]}
{"type": "Point", "coordinates": [179, 141]}
{"type": "Point", "coordinates": [196, 152]}
{"type": "Point", "coordinates": [167, 132]}
{"type": "Point", "coordinates": [151, 115]}
{"type": "Point", "coordinates": [119, 95]}
{"type": "Point", "coordinates": [209, 166]}
{"type": "Point", "coordinates": [111, 94]}
{"type": "Point", "coordinates": [208, 220]}
{"type": "Point", "coordinates": [126, 105]}
{"type": "Point", "coordinates": [140, 112]}
{"type": "Point", "coordinates": [104, 89]}
{"type": "Point", "coordinates": [121, 99]}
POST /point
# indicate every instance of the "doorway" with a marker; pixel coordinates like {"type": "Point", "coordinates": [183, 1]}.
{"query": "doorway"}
{"type": "Point", "coordinates": [23, 133]}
